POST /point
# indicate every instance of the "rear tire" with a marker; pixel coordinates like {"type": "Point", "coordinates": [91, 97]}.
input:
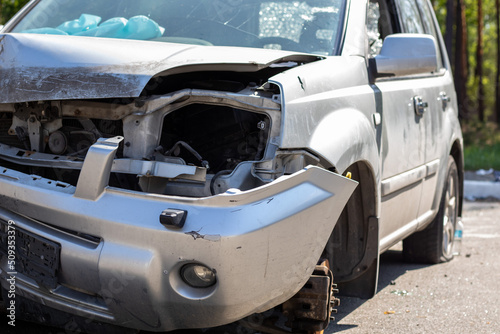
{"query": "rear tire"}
{"type": "Point", "coordinates": [434, 244]}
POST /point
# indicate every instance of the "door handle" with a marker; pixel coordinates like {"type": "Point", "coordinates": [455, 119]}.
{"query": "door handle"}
{"type": "Point", "coordinates": [419, 105]}
{"type": "Point", "coordinates": [445, 99]}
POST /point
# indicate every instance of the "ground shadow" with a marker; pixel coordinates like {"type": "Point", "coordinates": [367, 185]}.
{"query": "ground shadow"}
{"type": "Point", "coordinates": [392, 266]}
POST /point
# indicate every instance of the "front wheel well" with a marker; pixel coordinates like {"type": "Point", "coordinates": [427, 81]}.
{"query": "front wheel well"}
{"type": "Point", "coordinates": [352, 248]}
{"type": "Point", "coordinates": [457, 154]}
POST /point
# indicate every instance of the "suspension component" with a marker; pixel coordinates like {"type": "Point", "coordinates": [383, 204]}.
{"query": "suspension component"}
{"type": "Point", "coordinates": [311, 308]}
{"type": "Point", "coordinates": [309, 311]}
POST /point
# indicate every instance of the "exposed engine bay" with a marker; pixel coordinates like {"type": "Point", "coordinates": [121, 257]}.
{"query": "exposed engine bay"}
{"type": "Point", "coordinates": [193, 141]}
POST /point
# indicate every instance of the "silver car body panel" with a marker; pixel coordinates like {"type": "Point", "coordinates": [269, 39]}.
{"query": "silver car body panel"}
{"type": "Point", "coordinates": [249, 238]}
{"type": "Point", "coordinates": [70, 67]}
{"type": "Point", "coordinates": [316, 111]}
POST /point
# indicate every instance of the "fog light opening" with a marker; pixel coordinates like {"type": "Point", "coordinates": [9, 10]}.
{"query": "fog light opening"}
{"type": "Point", "coordinates": [198, 275]}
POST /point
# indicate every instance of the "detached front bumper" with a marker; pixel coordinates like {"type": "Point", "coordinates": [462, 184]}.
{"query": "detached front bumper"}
{"type": "Point", "coordinates": [119, 265]}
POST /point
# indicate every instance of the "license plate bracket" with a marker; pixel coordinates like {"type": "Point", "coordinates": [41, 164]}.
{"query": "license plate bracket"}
{"type": "Point", "coordinates": [35, 256]}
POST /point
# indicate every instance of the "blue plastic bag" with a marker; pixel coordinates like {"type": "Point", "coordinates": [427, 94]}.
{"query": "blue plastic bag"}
{"type": "Point", "coordinates": [84, 23]}
{"type": "Point", "coordinates": [138, 27]}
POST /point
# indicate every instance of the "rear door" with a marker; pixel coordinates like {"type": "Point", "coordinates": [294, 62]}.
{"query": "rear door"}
{"type": "Point", "coordinates": [438, 95]}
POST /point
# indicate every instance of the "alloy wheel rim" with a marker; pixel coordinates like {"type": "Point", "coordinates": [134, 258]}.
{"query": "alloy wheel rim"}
{"type": "Point", "coordinates": [450, 217]}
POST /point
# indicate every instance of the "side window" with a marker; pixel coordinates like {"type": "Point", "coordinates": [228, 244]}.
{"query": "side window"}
{"type": "Point", "coordinates": [409, 16]}
{"type": "Point", "coordinates": [379, 24]}
{"type": "Point", "coordinates": [374, 37]}
{"type": "Point", "coordinates": [430, 28]}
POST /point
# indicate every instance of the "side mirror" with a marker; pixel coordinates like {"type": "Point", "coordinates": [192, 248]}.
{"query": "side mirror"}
{"type": "Point", "coordinates": [407, 54]}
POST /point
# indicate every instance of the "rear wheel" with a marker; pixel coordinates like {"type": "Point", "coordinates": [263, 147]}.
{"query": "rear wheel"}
{"type": "Point", "coordinates": [434, 244]}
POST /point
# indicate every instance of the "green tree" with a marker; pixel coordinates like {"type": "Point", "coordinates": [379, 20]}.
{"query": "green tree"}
{"type": "Point", "coordinates": [497, 81]}
{"type": "Point", "coordinates": [460, 59]}
{"type": "Point", "coordinates": [452, 19]}
{"type": "Point", "coordinates": [474, 49]}
{"type": "Point", "coordinates": [10, 7]}
{"type": "Point", "coordinates": [479, 57]}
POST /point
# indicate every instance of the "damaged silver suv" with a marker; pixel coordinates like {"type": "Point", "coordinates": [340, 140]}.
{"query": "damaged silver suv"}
{"type": "Point", "coordinates": [187, 163]}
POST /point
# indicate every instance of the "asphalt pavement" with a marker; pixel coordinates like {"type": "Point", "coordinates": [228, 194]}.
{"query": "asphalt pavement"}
{"type": "Point", "coordinates": [461, 296]}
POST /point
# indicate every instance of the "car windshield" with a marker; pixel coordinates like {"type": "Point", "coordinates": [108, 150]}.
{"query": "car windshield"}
{"type": "Point", "coordinates": [312, 26]}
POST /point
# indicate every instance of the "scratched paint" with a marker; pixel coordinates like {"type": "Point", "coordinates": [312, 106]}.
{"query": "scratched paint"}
{"type": "Point", "coordinates": [42, 67]}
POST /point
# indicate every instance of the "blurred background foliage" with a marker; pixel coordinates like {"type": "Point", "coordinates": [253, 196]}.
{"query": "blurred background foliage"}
{"type": "Point", "coordinates": [9, 7]}
{"type": "Point", "coordinates": [485, 25]}
{"type": "Point", "coordinates": [471, 29]}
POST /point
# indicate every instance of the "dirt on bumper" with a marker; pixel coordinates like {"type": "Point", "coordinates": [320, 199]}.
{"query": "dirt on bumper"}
{"type": "Point", "coordinates": [119, 264]}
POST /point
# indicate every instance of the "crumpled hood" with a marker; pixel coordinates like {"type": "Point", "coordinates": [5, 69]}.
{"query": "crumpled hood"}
{"type": "Point", "coordinates": [45, 67]}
